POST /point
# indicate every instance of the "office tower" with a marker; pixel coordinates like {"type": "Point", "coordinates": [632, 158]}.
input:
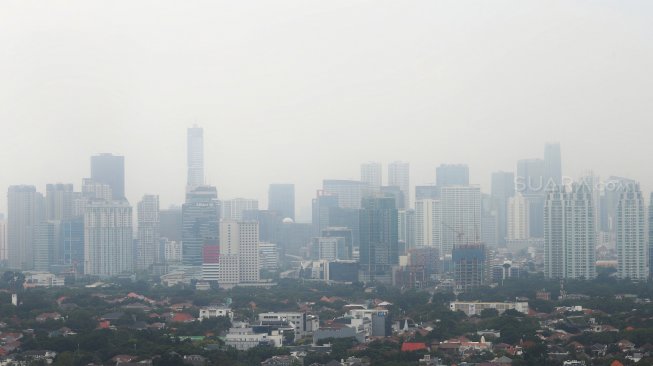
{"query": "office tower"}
{"type": "Point", "coordinates": [281, 198]}
{"type": "Point", "coordinates": [378, 239]}
{"type": "Point", "coordinates": [341, 232]}
{"type": "Point", "coordinates": [195, 158]}
{"type": "Point", "coordinates": [518, 218]}
{"type": "Point", "coordinates": [650, 235]}
{"type": "Point", "coordinates": [428, 223]}
{"type": "Point", "coordinates": [108, 238]}
{"type": "Point", "coordinates": [58, 201]}
{"type": "Point", "coordinates": [346, 217]}
{"type": "Point", "coordinates": [460, 216]}
{"type": "Point", "coordinates": [294, 237]}
{"type": "Point", "coordinates": [233, 209]}
{"type": "Point", "coordinates": [211, 263]}
{"type": "Point", "coordinates": [200, 217]}
{"type": "Point", "coordinates": [25, 211]}
{"type": "Point", "coordinates": [269, 256]}
{"type": "Point", "coordinates": [109, 169]}
{"type": "Point", "coordinates": [553, 163]}
{"type": "Point", "coordinates": [503, 187]}
{"type": "Point", "coordinates": [425, 257]}
{"type": "Point", "coordinates": [46, 241]}
{"type": "Point", "coordinates": [430, 192]}
{"type": "Point", "coordinates": [148, 232]}
{"type": "Point", "coordinates": [399, 176]}
{"type": "Point", "coordinates": [269, 224]}
{"type": "Point", "coordinates": [172, 251]}
{"type": "Point", "coordinates": [470, 264]}
{"type": "Point", "coordinates": [171, 223]}
{"type": "Point", "coordinates": [371, 174]}
{"type": "Point", "coordinates": [3, 238]}
{"type": "Point", "coordinates": [329, 248]}
{"type": "Point", "coordinates": [71, 255]}
{"type": "Point", "coordinates": [321, 206]}
{"type": "Point", "coordinates": [631, 235]}
{"type": "Point", "coordinates": [489, 229]}
{"type": "Point", "coordinates": [396, 193]}
{"type": "Point", "coordinates": [239, 253]}
{"type": "Point", "coordinates": [569, 234]}
{"type": "Point", "coordinates": [452, 175]}
{"type": "Point", "coordinates": [407, 230]}
{"type": "Point", "coordinates": [531, 183]}
{"type": "Point", "coordinates": [349, 192]}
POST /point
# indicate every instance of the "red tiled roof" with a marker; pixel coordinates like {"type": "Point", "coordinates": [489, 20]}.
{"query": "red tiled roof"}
{"type": "Point", "coordinates": [413, 346]}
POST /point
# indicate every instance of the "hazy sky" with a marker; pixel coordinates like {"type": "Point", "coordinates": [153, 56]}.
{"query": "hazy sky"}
{"type": "Point", "coordinates": [298, 91]}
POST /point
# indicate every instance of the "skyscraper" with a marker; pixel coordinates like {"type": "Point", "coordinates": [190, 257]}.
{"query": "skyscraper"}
{"type": "Point", "coordinates": [200, 217]}
{"type": "Point", "coordinates": [372, 174]}
{"type": "Point", "coordinates": [569, 234]}
{"type": "Point", "coordinates": [59, 201]}
{"type": "Point", "coordinates": [71, 255]}
{"type": "Point", "coordinates": [46, 240]}
{"type": "Point", "coordinates": [631, 235]}
{"type": "Point", "coordinates": [470, 263]}
{"type": "Point", "coordinates": [503, 187]}
{"type": "Point", "coordinates": [452, 175]}
{"type": "Point", "coordinates": [108, 240]}
{"type": "Point", "coordinates": [399, 176]}
{"type": "Point", "coordinates": [239, 253]}
{"type": "Point", "coordinates": [518, 218]}
{"type": "Point", "coordinates": [3, 238]}
{"type": "Point", "coordinates": [428, 223]}
{"type": "Point", "coordinates": [195, 158]}
{"type": "Point", "coordinates": [321, 206]}
{"type": "Point", "coordinates": [461, 216]}
{"type": "Point", "coordinates": [281, 198]}
{"type": "Point", "coordinates": [531, 182]}
{"type": "Point", "coordinates": [109, 169]}
{"type": "Point", "coordinates": [233, 209]}
{"type": "Point", "coordinates": [148, 232]}
{"type": "Point", "coordinates": [553, 163]}
{"type": "Point", "coordinates": [407, 230]}
{"type": "Point", "coordinates": [378, 239]}
{"type": "Point", "coordinates": [171, 223]}
{"type": "Point", "coordinates": [349, 192]}
{"type": "Point", "coordinates": [25, 212]}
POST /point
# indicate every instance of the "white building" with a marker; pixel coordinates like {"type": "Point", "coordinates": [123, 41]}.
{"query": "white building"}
{"type": "Point", "coordinates": [172, 251]}
{"type": "Point", "coordinates": [371, 174]}
{"type": "Point", "coordinates": [42, 279]}
{"type": "Point", "coordinates": [631, 234]}
{"type": "Point", "coordinates": [243, 339]}
{"type": "Point", "coordinates": [461, 216]}
{"type": "Point", "coordinates": [108, 240]}
{"type": "Point", "coordinates": [239, 253]}
{"type": "Point", "coordinates": [476, 307]}
{"type": "Point", "coordinates": [329, 248]}
{"type": "Point", "coordinates": [518, 217]}
{"type": "Point", "coordinates": [148, 232]}
{"type": "Point", "coordinates": [233, 209]}
{"type": "Point", "coordinates": [428, 223]}
{"type": "Point", "coordinates": [214, 312]}
{"type": "Point", "coordinates": [269, 256]}
{"type": "Point", "coordinates": [569, 233]}
{"type": "Point", "coordinates": [349, 192]}
{"type": "Point", "coordinates": [399, 176]}
{"type": "Point", "coordinates": [302, 323]}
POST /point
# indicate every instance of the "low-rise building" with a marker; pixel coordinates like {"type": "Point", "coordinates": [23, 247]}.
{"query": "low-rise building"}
{"type": "Point", "coordinates": [476, 307]}
{"type": "Point", "coordinates": [214, 312]}
{"type": "Point", "coordinates": [245, 338]}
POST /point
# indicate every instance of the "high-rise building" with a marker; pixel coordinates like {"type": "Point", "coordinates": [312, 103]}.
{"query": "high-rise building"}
{"type": "Point", "coordinates": [233, 209]}
{"type": "Point", "coordinates": [171, 223]}
{"type": "Point", "coordinates": [321, 205]}
{"type": "Point", "coordinates": [531, 182]}
{"type": "Point", "coordinates": [341, 232]}
{"type": "Point", "coordinates": [3, 238]}
{"type": "Point", "coordinates": [470, 263]}
{"type": "Point", "coordinates": [269, 256]}
{"type": "Point", "coordinates": [329, 248]}
{"type": "Point", "coordinates": [200, 217]}
{"type": "Point", "coordinates": [108, 238]}
{"type": "Point", "coordinates": [148, 233]}
{"type": "Point", "coordinates": [552, 163]}
{"type": "Point", "coordinates": [407, 230]}
{"type": "Point", "coordinates": [46, 241]}
{"type": "Point", "coordinates": [452, 175]}
{"type": "Point", "coordinates": [503, 188]}
{"type": "Point", "coordinates": [428, 223]}
{"type": "Point", "coordinates": [281, 198]}
{"type": "Point", "coordinates": [650, 235]}
{"type": "Point", "coordinates": [429, 192]}
{"type": "Point", "coordinates": [109, 169]}
{"type": "Point", "coordinates": [96, 190]}
{"type": "Point", "coordinates": [631, 235]}
{"type": "Point", "coordinates": [59, 201]}
{"type": "Point", "coordinates": [569, 234]}
{"type": "Point", "coordinates": [25, 212]}
{"type": "Point", "coordinates": [195, 158]}
{"type": "Point", "coordinates": [378, 239]}
{"type": "Point", "coordinates": [518, 218]}
{"type": "Point", "coordinates": [399, 176]}
{"type": "Point", "coordinates": [460, 216]}
{"type": "Point", "coordinates": [239, 253]}
{"type": "Point", "coordinates": [372, 175]}
{"type": "Point", "coordinates": [349, 192]}
{"type": "Point", "coordinates": [71, 256]}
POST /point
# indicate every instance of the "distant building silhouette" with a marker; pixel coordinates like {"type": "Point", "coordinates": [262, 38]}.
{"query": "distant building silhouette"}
{"type": "Point", "coordinates": [109, 169]}
{"type": "Point", "coordinates": [194, 158]}
{"type": "Point", "coordinates": [281, 198]}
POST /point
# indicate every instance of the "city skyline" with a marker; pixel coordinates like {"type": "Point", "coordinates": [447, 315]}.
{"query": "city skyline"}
{"type": "Point", "coordinates": [397, 85]}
